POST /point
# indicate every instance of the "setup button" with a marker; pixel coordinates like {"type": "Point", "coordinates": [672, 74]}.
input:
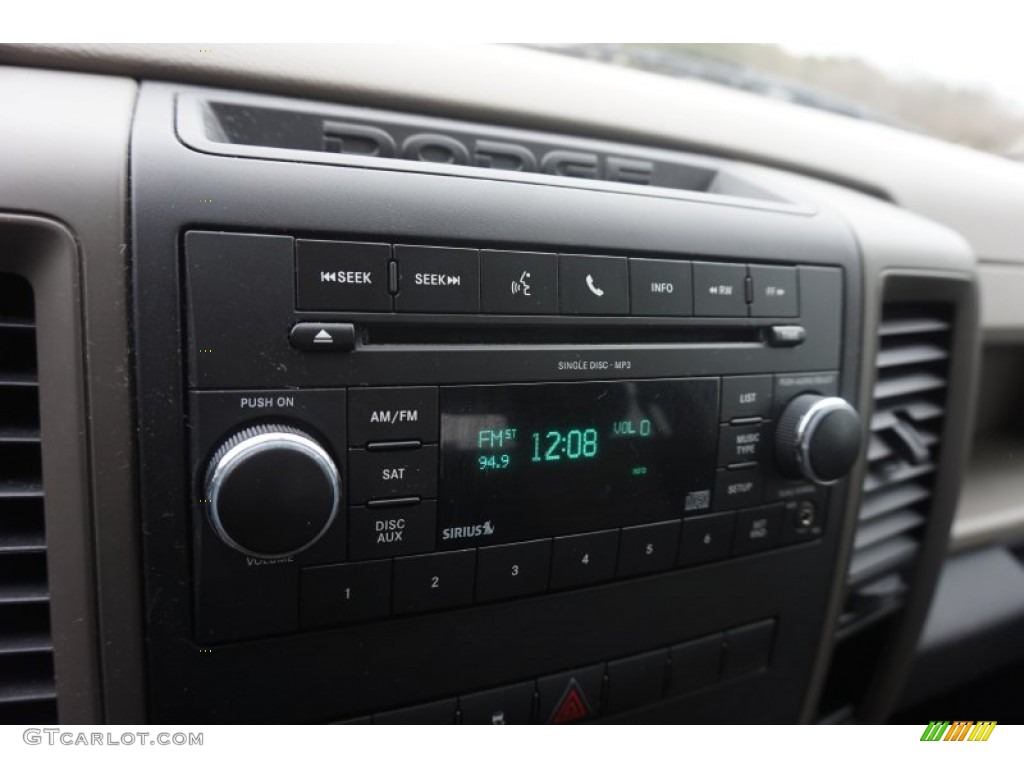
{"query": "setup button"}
{"type": "Point", "coordinates": [735, 488]}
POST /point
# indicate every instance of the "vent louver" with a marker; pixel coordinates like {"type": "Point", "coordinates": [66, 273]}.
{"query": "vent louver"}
{"type": "Point", "coordinates": [909, 406]}
{"type": "Point", "coordinates": [27, 686]}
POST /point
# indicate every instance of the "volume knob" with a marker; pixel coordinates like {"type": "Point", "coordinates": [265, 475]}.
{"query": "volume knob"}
{"type": "Point", "coordinates": [271, 491]}
{"type": "Point", "coordinates": [817, 438]}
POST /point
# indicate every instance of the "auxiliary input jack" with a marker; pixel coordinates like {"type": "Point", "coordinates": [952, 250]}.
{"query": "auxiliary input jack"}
{"type": "Point", "coordinates": [806, 516]}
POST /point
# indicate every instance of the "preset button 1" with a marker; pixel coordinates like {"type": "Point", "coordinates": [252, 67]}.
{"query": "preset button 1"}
{"type": "Point", "coordinates": [342, 594]}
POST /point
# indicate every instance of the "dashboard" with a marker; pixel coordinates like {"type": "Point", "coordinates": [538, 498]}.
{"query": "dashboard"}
{"type": "Point", "coordinates": [341, 387]}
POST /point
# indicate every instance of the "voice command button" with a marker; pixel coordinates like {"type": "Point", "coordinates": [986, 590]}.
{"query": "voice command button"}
{"type": "Point", "coordinates": [517, 283]}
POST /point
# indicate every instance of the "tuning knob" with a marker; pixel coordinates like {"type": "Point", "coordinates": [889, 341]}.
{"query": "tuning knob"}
{"type": "Point", "coordinates": [271, 491]}
{"type": "Point", "coordinates": [817, 438]}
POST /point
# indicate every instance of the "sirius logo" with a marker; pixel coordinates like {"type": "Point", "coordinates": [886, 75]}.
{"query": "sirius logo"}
{"type": "Point", "coordinates": [467, 531]}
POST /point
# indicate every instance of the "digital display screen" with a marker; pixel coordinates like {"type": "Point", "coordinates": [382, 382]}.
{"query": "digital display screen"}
{"type": "Point", "coordinates": [534, 460]}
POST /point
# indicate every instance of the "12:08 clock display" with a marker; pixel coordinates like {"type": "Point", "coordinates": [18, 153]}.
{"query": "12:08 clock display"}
{"type": "Point", "coordinates": [546, 459]}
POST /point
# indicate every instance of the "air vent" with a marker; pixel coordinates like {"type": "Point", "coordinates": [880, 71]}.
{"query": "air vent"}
{"type": "Point", "coordinates": [909, 406]}
{"type": "Point", "coordinates": [27, 688]}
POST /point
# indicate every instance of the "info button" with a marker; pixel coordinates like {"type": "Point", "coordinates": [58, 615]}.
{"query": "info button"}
{"type": "Point", "coordinates": [519, 283]}
{"type": "Point", "coordinates": [661, 287]}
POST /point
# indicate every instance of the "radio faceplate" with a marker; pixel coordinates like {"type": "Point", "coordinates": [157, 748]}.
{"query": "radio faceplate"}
{"type": "Point", "coordinates": [644, 459]}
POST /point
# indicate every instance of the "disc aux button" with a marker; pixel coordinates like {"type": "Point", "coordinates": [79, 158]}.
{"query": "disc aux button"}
{"type": "Point", "coordinates": [386, 531]}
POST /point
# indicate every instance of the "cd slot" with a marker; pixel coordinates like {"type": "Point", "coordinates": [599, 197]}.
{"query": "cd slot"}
{"type": "Point", "coordinates": [407, 334]}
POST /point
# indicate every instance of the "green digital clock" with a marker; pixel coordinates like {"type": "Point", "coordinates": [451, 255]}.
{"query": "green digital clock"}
{"type": "Point", "coordinates": [569, 445]}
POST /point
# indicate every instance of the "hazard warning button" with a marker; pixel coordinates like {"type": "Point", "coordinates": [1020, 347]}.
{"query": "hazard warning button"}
{"type": "Point", "coordinates": [571, 697]}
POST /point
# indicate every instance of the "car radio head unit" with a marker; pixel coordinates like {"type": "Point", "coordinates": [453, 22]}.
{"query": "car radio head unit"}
{"type": "Point", "coordinates": [424, 439]}
{"type": "Point", "coordinates": [511, 460]}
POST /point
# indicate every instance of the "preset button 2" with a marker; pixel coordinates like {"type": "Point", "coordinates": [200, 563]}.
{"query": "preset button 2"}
{"type": "Point", "coordinates": [433, 582]}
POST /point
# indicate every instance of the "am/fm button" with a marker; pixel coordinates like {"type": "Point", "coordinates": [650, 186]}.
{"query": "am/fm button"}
{"type": "Point", "coordinates": [388, 414]}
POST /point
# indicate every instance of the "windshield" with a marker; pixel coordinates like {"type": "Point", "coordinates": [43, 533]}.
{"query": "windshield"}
{"type": "Point", "coordinates": [979, 103]}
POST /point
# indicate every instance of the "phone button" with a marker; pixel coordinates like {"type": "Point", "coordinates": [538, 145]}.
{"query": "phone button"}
{"type": "Point", "coordinates": [594, 285]}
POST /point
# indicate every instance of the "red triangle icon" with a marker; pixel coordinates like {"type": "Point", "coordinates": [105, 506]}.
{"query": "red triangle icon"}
{"type": "Point", "coordinates": [572, 707]}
